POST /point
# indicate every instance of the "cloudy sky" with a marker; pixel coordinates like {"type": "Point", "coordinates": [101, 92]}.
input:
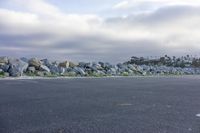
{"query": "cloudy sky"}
{"type": "Point", "coordinates": [89, 30]}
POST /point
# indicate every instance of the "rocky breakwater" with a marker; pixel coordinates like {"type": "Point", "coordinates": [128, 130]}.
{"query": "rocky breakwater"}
{"type": "Point", "coordinates": [14, 67]}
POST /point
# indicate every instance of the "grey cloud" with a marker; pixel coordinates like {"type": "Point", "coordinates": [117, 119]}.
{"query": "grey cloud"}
{"type": "Point", "coordinates": [116, 52]}
{"type": "Point", "coordinates": [163, 14]}
{"type": "Point", "coordinates": [88, 49]}
{"type": "Point", "coordinates": [108, 41]}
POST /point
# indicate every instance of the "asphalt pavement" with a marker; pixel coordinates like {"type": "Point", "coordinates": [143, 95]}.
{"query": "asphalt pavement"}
{"type": "Point", "coordinates": [101, 105]}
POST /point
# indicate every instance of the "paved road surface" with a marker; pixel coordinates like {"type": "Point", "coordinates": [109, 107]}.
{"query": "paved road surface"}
{"type": "Point", "coordinates": [106, 105]}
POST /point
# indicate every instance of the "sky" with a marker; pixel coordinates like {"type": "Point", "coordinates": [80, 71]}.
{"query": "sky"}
{"type": "Point", "coordinates": [99, 30]}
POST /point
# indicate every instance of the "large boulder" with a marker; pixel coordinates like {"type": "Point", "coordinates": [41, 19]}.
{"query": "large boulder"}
{"type": "Point", "coordinates": [17, 67]}
{"type": "Point", "coordinates": [79, 71]}
{"type": "Point", "coordinates": [120, 65]}
{"type": "Point", "coordinates": [72, 64]}
{"type": "Point", "coordinates": [112, 71]}
{"type": "Point", "coordinates": [130, 66]}
{"type": "Point", "coordinates": [96, 66]}
{"type": "Point", "coordinates": [102, 64]}
{"type": "Point", "coordinates": [100, 73]}
{"type": "Point", "coordinates": [108, 65]}
{"type": "Point", "coordinates": [3, 60]}
{"type": "Point", "coordinates": [46, 62]}
{"type": "Point", "coordinates": [81, 64]}
{"type": "Point", "coordinates": [64, 64]}
{"type": "Point", "coordinates": [54, 69]}
{"type": "Point", "coordinates": [4, 67]}
{"type": "Point", "coordinates": [35, 62]}
{"type": "Point", "coordinates": [52, 66]}
{"type": "Point", "coordinates": [24, 59]}
{"type": "Point", "coordinates": [44, 68]}
{"type": "Point", "coordinates": [62, 70]}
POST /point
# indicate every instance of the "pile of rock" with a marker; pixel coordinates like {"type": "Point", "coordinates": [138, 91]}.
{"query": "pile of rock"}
{"type": "Point", "coordinates": [184, 61]}
{"type": "Point", "coordinates": [136, 66]}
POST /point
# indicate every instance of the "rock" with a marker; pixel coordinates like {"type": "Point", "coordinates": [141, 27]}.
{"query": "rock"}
{"type": "Point", "coordinates": [100, 73]}
{"type": "Point", "coordinates": [56, 63]}
{"type": "Point", "coordinates": [69, 69]}
{"type": "Point", "coordinates": [94, 69]}
{"type": "Point", "coordinates": [52, 66]}
{"type": "Point", "coordinates": [79, 71]}
{"type": "Point", "coordinates": [4, 60]}
{"type": "Point", "coordinates": [46, 62]}
{"type": "Point", "coordinates": [31, 69]}
{"type": "Point", "coordinates": [44, 68]}
{"type": "Point", "coordinates": [130, 66]}
{"type": "Point", "coordinates": [35, 62]}
{"type": "Point", "coordinates": [108, 65]}
{"type": "Point", "coordinates": [144, 73]}
{"type": "Point", "coordinates": [82, 64]}
{"type": "Point", "coordinates": [24, 59]}
{"type": "Point", "coordinates": [64, 64]}
{"type": "Point", "coordinates": [139, 69]}
{"type": "Point", "coordinates": [120, 65]}
{"type": "Point", "coordinates": [17, 67]}
{"type": "Point", "coordinates": [62, 70]}
{"type": "Point", "coordinates": [102, 64]}
{"type": "Point", "coordinates": [4, 67]}
{"type": "Point", "coordinates": [122, 68]}
{"type": "Point", "coordinates": [54, 69]}
{"type": "Point", "coordinates": [130, 71]}
{"type": "Point", "coordinates": [112, 71]}
{"type": "Point", "coordinates": [141, 66]}
{"type": "Point", "coordinates": [96, 66]}
{"type": "Point", "coordinates": [72, 64]}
